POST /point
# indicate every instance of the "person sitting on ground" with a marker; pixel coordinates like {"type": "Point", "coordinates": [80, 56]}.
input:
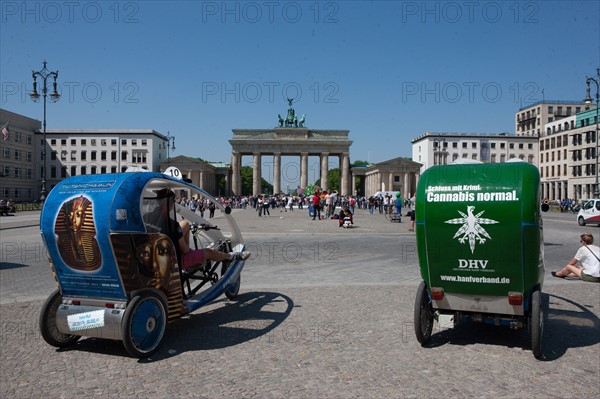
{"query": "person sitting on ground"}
{"type": "Point", "coordinates": [192, 257]}
{"type": "Point", "coordinates": [345, 215]}
{"type": "Point", "coordinates": [589, 256]}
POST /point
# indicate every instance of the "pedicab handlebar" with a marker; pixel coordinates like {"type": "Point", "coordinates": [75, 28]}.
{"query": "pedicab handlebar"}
{"type": "Point", "coordinates": [202, 226]}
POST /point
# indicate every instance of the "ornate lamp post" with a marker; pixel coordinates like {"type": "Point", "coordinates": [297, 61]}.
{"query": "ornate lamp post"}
{"type": "Point", "coordinates": [588, 100]}
{"type": "Point", "coordinates": [44, 74]}
{"type": "Point", "coordinates": [170, 139]}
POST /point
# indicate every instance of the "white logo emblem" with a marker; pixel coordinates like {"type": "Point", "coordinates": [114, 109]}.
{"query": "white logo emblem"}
{"type": "Point", "coordinates": [471, 227]}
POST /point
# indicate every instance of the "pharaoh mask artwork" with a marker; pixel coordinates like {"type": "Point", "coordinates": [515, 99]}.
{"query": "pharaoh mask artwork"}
{"type": "Point", "coordinates": [76, 235]}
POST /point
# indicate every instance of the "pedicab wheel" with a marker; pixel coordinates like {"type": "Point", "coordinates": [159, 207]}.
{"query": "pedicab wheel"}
{"type": "Point", "coordinates": [581, 221]}
{"type": "Point", "coordinates": [232, 292]}
{"type": "Point", "coordinates": [537, 323]}
{"type": "Point", "coordinates": [423, 315]}
{"type": "Point", "coordinates": [144, 324]}
{"type": "Point", "coordinates": [48, 327]}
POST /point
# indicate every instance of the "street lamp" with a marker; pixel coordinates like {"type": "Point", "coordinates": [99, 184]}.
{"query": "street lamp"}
{"type": "Point", "coordinates": [169, 145]}
{"type": "Point", "coordinates": [588, 100]}
{"type": "Point", "coordinates": [44, 74]}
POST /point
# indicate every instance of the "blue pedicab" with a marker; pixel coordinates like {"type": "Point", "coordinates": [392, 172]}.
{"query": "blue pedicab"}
{"type": "Point", "coordinates": [112, 241]}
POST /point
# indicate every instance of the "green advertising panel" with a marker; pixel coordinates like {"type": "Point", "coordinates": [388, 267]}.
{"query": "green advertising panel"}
{"type": "Point", "coordinates": [479, 228]}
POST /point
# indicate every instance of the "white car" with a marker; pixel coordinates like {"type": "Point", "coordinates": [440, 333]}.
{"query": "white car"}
{"type": "Point", "coordinates": [589, 213]}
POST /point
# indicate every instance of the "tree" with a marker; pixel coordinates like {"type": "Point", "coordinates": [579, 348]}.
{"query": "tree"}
{"type": "Point", "coordinates": [246, 172]}
{"type": "Point", "coordinates": [333, 176]}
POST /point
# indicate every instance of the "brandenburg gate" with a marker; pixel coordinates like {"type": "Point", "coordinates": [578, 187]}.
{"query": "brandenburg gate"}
{"type": "Point", "coordinates": [290, 138]}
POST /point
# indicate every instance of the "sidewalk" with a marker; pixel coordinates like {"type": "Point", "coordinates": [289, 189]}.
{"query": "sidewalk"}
{"type": "Point", "coordinates": [20, 219]}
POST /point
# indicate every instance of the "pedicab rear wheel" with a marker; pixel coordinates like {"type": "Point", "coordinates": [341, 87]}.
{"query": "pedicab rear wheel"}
{"type": "Point", "coordinates": [47, 321]}
{"type": "Point", "coordinates": [144, 324]}
{"type": "Point", "coordinates": [423, 315]}
{"type": "Point", "coordinates": [232, 292]}
{"type": "Point", "coordinates": [536, 323]}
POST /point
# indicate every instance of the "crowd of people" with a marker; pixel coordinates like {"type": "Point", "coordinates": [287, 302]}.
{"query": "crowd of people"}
{"type": "Point", "coordinates": [321, 203]}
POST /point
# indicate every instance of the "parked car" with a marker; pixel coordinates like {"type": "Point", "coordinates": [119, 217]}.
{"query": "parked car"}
{"type": "Point", "coordinates": [589, 213]}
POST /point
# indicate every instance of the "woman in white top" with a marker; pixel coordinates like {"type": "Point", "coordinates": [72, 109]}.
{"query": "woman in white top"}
{"type": "Point", "coordinates": [589, 257]}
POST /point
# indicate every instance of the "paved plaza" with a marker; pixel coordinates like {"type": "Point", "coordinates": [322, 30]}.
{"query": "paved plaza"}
{"type": "Point", "coordinates": [322, 312]}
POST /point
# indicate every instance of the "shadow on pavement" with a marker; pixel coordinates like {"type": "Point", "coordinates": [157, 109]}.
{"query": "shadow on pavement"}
{"type": "Point", "coordinates": [563, 329]}
{"type": "Point", "coordinates": [9, 265]}
{"type": "Point", "coordinates": [250, 316]}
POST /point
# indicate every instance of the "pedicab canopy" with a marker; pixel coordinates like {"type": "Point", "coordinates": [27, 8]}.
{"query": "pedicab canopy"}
{"type": "Point", "coordinates": [102, 237]}
{"type": "Point", "coordinates": [479, 228]}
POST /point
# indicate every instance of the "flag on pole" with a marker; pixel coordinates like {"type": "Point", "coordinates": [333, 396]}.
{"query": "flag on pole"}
{"type": "Point", "coordinates": [5, 132]}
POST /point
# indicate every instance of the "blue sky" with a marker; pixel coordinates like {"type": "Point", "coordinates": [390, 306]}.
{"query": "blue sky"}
{"type": "Point", "coordinates": [386, 71]}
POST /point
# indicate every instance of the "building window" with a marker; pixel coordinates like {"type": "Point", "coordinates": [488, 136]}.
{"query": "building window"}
{"type": "Point", "coordinates": [103, 169]}
{"type": "Point", "coordinates": [123, 155]}
{"type": "Point", "coordinates": [93, 170]}
{"type": "Point", "coordinates": [493, 145]}
{"type": "Point", "coordinates": [17, 172]}
{"type": "Point", "coordinates": [103, 142]}
{"type": "Point", "coordinates": [113, 169]}
{"type": "Point", "coordinates": [73, 142]}
{"type": "Point", "coordinates": [73, 155]}
{"type": "Point", "coordinates": [93, 154]}
{"type": "Point", "coordinates": [53, 155]}
{"type": "Point", "coordinates": [103, 156]}
{"type": "Point", "coordinates": [502, 146]}
{"type": "Point", "coordinates": [83, 156]}
{"type": "Point", "coordinates": [134, 142]}
{"type": "Point", "coordinates": [113, 142]}
{"type": "Point", "coordinates": [28, 139]}
{"type": "Point", "coordinates": [5, 153]}
{"type": "Point", "coordinates": [63, 142]}
{"type": "Point", "coordinates": [113, 155]}
{"type": "Point", "coordinates": [83, 170]}
{"type": "Point", "coordinates": [123, 141]}
{"type": "Point", "coordinates": [520, 146]}
{"type": "Point", "coordinates": [28, 157]}
{"type": "Point", "coordinates": [93, 142]}
{"type": "Point", "coordinates": [63, 155]}
{"type": "Point", "coordinates": [83, 142]}
{"type": "Point", "coordinates": [530, 146]}
{"type": "Point", "coordinates": [17, 155]}
{"type": "Point", "coordinates": [464, 145]}
{"type": "Point", "coordinates": [512, 146]}
{"type": "Point", "coordinates": [473, 145]}
{"type": "Point", "coordinates": [63, 172]}
{"type": "Point", "coordinates": [53, 142]}
{"type": "Point", "coordinates": [53, 172]}
{"type": "Point", "coordinates": [73, 170]}
{"type": "Point", "coordinates": [144, 142]}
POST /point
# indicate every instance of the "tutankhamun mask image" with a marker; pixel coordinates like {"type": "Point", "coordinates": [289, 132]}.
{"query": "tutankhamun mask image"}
{"type": "Point", "coordinates": [76, 235]}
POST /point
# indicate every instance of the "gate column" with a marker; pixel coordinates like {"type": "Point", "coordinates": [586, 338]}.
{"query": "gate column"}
{"type": "Point", "coordinates": [303, 169]}
{"type": "Point", "coordinates": [324, 171]}
{"type": "Point", "coordinates": [276, 173]}
{"type": "Point", "coordinates": [256, 174]}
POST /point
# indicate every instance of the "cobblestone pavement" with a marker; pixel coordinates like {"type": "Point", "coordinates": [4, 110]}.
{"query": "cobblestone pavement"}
{"type": "Point", "coordinates": [322, 312]}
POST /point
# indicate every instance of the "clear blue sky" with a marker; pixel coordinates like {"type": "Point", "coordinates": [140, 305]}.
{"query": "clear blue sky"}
{"type": "Point", "coordinates": [386, 71]}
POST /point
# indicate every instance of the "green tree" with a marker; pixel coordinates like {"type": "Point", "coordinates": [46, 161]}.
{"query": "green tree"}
{"type": "Point", "coordinates": [246, 173]}
{"type": "Point", "coordinates": [333, 177]}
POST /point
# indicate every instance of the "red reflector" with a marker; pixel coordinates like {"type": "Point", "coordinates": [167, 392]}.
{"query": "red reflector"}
{"type": "Point", "coordinates": [515, 298]}
{"type": "Point", "coordinates": [77, 303]}
{"type": "Point", "coordinates": [437, 294]}
{"type": "Point", "coordinates": [110, 305]}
